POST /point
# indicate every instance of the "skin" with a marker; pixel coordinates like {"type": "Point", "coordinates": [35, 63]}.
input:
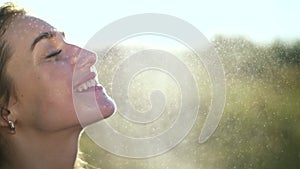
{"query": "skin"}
{"type": "Point", "coordinates": [47, 127]}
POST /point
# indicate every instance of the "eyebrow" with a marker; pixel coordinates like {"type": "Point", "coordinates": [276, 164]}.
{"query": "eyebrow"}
{"type": "Point", "coordinates": [44, 35]}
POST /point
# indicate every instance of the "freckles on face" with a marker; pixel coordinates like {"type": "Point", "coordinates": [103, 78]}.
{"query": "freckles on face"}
{"type": "Point", "coordinates": [41, 73]}
{"type": "Point", "coordinates": [42, 69]}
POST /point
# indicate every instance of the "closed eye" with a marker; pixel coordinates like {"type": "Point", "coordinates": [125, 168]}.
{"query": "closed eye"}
{"type": "Point", "coordinates": [53, 54]}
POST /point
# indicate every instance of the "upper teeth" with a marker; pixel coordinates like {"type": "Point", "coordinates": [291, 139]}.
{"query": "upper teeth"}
{"type": "Point", "coordinates": [86, 85]}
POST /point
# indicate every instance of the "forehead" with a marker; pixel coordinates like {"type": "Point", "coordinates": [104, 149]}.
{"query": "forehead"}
{"type": "Point", "coordinates": [24, 29]}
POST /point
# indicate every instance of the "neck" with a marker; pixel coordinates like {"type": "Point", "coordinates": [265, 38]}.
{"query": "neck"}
{"type": "Point", "coordinates": [34, 150]}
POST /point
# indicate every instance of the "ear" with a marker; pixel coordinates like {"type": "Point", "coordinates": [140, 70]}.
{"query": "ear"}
{"type": "Point", "coordinates": [6, 116]}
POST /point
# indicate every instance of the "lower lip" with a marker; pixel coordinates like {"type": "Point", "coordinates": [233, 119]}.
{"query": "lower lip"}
{"type": "Point", "coordinates": [104, 104]}
{"type": "Point", "coordinates": [98, 88]}
{"type": "Point", "coordinates": [99, 92]}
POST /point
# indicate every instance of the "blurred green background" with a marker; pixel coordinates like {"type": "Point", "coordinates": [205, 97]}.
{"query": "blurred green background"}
{"type": "Point", "coordinates": [260, 126]}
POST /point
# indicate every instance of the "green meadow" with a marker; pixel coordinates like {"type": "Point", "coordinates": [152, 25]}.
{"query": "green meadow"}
{"type": "Point", "coordinates": [260, 126]}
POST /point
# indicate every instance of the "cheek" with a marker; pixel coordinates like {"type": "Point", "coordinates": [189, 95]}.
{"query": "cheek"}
{"type": "Point", "coordinates": [58, 79]}
{"type": "Point", "coordinates": [55, 85]}
{"type": "Point", "coordinates": [58, 88]}
{"type": "Point", "coordinates": [56, 108]}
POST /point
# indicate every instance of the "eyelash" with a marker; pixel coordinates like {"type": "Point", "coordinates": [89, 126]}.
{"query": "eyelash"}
{"type": "Point", "coordinates": [53, 54]}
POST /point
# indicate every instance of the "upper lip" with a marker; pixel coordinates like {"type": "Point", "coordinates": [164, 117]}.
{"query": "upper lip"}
{"type": "Point", "coordinates": [86, 59]}
{"type": "Point", "coordinates": [83, 69]}
{"type": "Point", "coordinates": [85, 78]}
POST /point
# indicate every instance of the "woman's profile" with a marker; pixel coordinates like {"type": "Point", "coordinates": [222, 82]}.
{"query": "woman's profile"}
{"type": "Point", "coordinates": [39, 128]}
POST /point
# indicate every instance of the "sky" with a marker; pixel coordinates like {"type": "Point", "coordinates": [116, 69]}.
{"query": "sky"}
{"type": "Point", "coordinates": [257, 20]}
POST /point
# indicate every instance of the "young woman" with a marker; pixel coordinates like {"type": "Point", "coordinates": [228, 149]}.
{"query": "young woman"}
{"type": "Point", "coordinates": [39, 128]}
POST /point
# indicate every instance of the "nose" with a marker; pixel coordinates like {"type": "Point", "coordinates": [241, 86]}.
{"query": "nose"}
{"type": "Point", "coordinates": [82, 58]}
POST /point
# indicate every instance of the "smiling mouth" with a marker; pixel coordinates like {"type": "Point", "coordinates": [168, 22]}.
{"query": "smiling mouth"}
{"type": "Point", "coordinates": [87, 85]}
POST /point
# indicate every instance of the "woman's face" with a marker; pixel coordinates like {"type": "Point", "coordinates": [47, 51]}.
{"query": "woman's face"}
{"type": "Point", "coordinates": [42, 70]}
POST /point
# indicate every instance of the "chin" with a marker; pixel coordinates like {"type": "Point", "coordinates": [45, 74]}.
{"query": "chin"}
{"type": "Point", "coordinates": [107, 107]}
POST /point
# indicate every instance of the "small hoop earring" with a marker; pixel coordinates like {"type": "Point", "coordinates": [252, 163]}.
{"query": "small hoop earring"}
{"type": "Point", "coordinates": [12, 126]}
